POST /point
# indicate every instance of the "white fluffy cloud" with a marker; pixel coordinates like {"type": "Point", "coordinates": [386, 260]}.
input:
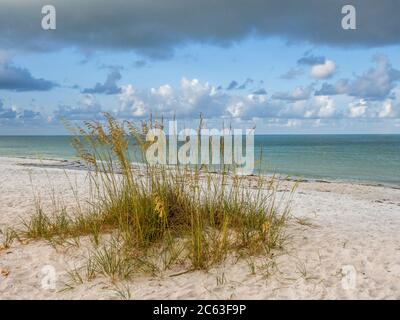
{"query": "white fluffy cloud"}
{"type": "Point", "coordinates": [387, 110]}
{"type": "Point", "coordinates": [358, 109]}
{"type": "Point", "coordinates": [314, 108]}
{"type": "Point", "coordinates": [324, 70]}
{"type": "Point", "coordinates": [193, 97]}
{"type": "Point", "coordinates": [129, 103]}
{"type": "Point", "coordinates": [326, 107]}
{"type": "Point", "coordinates": [362, 108]}
{"type": "Point", "coordinates": [390, 109]}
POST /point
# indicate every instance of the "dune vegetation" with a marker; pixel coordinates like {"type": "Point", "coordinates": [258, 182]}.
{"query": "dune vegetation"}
{"type": "Point", "coordinates": [150, 218]}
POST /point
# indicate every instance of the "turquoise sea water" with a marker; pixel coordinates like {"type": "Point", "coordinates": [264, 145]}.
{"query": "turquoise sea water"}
{"type": "Point", "coordinates": [366, 158]}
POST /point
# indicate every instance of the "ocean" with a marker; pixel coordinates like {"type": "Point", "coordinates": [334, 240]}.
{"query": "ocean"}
{"type": "Point", "coordinates": [362, 158]}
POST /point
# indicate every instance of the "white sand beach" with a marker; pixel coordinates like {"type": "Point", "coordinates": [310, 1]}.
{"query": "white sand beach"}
{"type": "Point", "coordinates": [339, 227]}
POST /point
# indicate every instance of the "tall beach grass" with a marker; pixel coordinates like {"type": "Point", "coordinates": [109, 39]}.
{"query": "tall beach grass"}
{"type": "Point", "coordinates": [152, 218]}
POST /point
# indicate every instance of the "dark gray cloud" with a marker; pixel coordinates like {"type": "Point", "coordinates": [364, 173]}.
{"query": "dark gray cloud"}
{"type": "Point", "coordinates": [233, 85]}
{"type": "Point", "coordinates": [311, 60]}
{"type": "Point", "coordinates": [245, 84]}
{"type": "Point", "coordinates": [260, 92]}
{"type": "Point", "coordinates": [156, 28]}
{"type": "Point", "coordinates": [109, 86]}
{"type": "Point", "coordinates": [20, 79]}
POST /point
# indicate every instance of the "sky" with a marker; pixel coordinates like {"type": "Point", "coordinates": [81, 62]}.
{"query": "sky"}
{"type": "Point", "coordinates": [281, 66]}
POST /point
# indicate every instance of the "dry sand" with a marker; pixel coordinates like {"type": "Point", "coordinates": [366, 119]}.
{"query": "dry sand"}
{"type": "Point", "coordinates": [351, 250]}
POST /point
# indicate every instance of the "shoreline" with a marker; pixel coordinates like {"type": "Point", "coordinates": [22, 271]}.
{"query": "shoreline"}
{"type": "Point", "coordinates": [71, 164]}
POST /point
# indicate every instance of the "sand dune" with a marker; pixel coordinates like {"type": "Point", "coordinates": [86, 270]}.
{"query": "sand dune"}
{"type": "Point", "coordinates": [344, 244]}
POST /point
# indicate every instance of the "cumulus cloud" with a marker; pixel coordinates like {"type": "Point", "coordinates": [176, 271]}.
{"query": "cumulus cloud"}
{"type": "Point", "coordinates": [299, 93]}
{"type": "Point", "coordinates": [389, 110]}
{"type": "Point", "coordinates": [374, 109]}
{"type": "Point", "coordinates": [20, 79]}
{"type": "Point", "coordinates": [27, 114]}
{"type": "Point", "coordinates": [321, 67]}
{"type": "Point", "coordinates": [340, 87]}
{"type": "Point", "coordinates": [130, 104]}
{"type": "Point", "coordinates": [324, 70]}
{"type": "Point", "coordinates": [109, 86]}
{"type": "Point", "coordinates": [188, 100]}
{"type": "Point", "coordinates": [194, 97]}
{"type": "Point", "coordinates": [324, 107]}
{"type": "Point", "coordinates": [12, 114]}
{"type": "Point", "coordinates": [374, 84]}
{"type": "Point", "coordinates": [313, 108]}
{"type": "Point", "coordinates": [358, 109]}
{"type": "Point", "coordinates": [87, 109]}
{"type": "Point", "coordinates": [156, 28]}
{"type": "Point", "coordinates": [191, 98]}
{"type": "Point", "coordinates": [377, 82]}
{"type": "Point", "coordinates": [7, 113]}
